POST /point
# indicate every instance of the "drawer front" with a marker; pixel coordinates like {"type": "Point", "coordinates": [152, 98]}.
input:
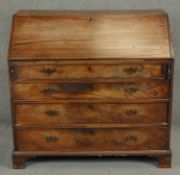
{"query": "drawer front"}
{"type": "Point", "coordinates": [109, 139]}
{"type": "Point", "coordinates": [60, 70]}
{"type": "Point", "coordinates": [121, 90]}
{"type": "Point", "coordinates": [91, 113]}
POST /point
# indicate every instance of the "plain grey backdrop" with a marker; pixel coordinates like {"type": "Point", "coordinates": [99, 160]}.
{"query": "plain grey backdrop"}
{"type": "Point", "coordinates": [85, 166]}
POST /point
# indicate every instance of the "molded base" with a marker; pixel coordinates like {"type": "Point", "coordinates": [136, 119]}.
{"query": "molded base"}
{"type": "Point", "coordinates": [164, 156]}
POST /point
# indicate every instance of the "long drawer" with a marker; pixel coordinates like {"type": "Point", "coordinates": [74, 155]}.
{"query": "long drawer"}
{"type": "Point", "coordinates": [88, 70]}
{"type": "Point", "coordinates": [91, 139]}
{"type": "Point", "coordinates": [82, 113]}
{"type": "Point", "coordinates": [100, 91]}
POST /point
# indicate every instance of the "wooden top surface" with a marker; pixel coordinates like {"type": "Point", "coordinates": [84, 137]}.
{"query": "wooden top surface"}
{"type": "Point", "coordinates": [90, 35]}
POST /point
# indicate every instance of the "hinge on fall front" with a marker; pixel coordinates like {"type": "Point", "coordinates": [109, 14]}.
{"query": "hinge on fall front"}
{"type": "Point", "coordinates": [168, 70]}
{"type": "Point", "coordinates": [12, 71]}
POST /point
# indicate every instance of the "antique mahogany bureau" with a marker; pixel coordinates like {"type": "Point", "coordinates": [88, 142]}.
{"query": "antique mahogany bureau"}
{"type": "Point", "coordinates": [91, 84]}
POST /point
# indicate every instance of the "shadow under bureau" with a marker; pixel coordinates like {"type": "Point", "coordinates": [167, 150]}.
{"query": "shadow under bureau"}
{"type": "Point", "coordinates": [91, 84]}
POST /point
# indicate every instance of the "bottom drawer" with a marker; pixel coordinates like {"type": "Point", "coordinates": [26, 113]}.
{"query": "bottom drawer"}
{"type": "Point", "coordinates": [92, 139]}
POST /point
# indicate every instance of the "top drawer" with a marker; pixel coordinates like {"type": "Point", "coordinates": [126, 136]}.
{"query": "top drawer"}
{"type": "Point", "coordinates": [63, 70]}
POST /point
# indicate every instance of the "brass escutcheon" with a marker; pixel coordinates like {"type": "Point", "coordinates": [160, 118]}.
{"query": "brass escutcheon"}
{"type": "Point", "coordinates": [51, 112]}
{"type": "Point", "coordinates": [130, 89]}
{"type": "Point", "coordinates": [51, 138]}
{"type": "Point", "coordinates": [131, 138]}
{"type": "Point", "coordinates": [130, 112]}
{"type": "Point", "coordinates": [50, 90]}
{"type": "Point", "coordinates": [48, 70]}
{"type": "Point", "coordinates": [132, 69]}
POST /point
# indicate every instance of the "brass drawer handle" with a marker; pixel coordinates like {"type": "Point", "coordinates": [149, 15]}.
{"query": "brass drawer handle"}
{"type": "Point", "coordinates": [51, 138]}
{"type": "Point", "coordinates": [130, 112]}
{"type": "Point", "coordinates": [52, 113]}
{"type": "Point", "coordinates": [130, 89]}
{"type": "Point", "coordinates": [131, 138]}
{"type": "Point", "coordinates": [132, 70]}
{"type": "Point", "coordinates": [48, 70]}
{"type": "Point", "coordinates": [50, 90]}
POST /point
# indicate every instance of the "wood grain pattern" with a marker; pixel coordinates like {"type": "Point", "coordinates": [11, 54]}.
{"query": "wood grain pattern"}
{"type": "Point", "coordinates": [85, 35]}
{"type": "Point", "coordinates": [91, 83]}
{"type": "Point", "coordinates": [88, 139]}
{"type": "Point", "coordinates": [64, 70]}
{"type": "Point", "coordinates": [101, 91]}
{"type": "Point", "coordinates": [90, 113]}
